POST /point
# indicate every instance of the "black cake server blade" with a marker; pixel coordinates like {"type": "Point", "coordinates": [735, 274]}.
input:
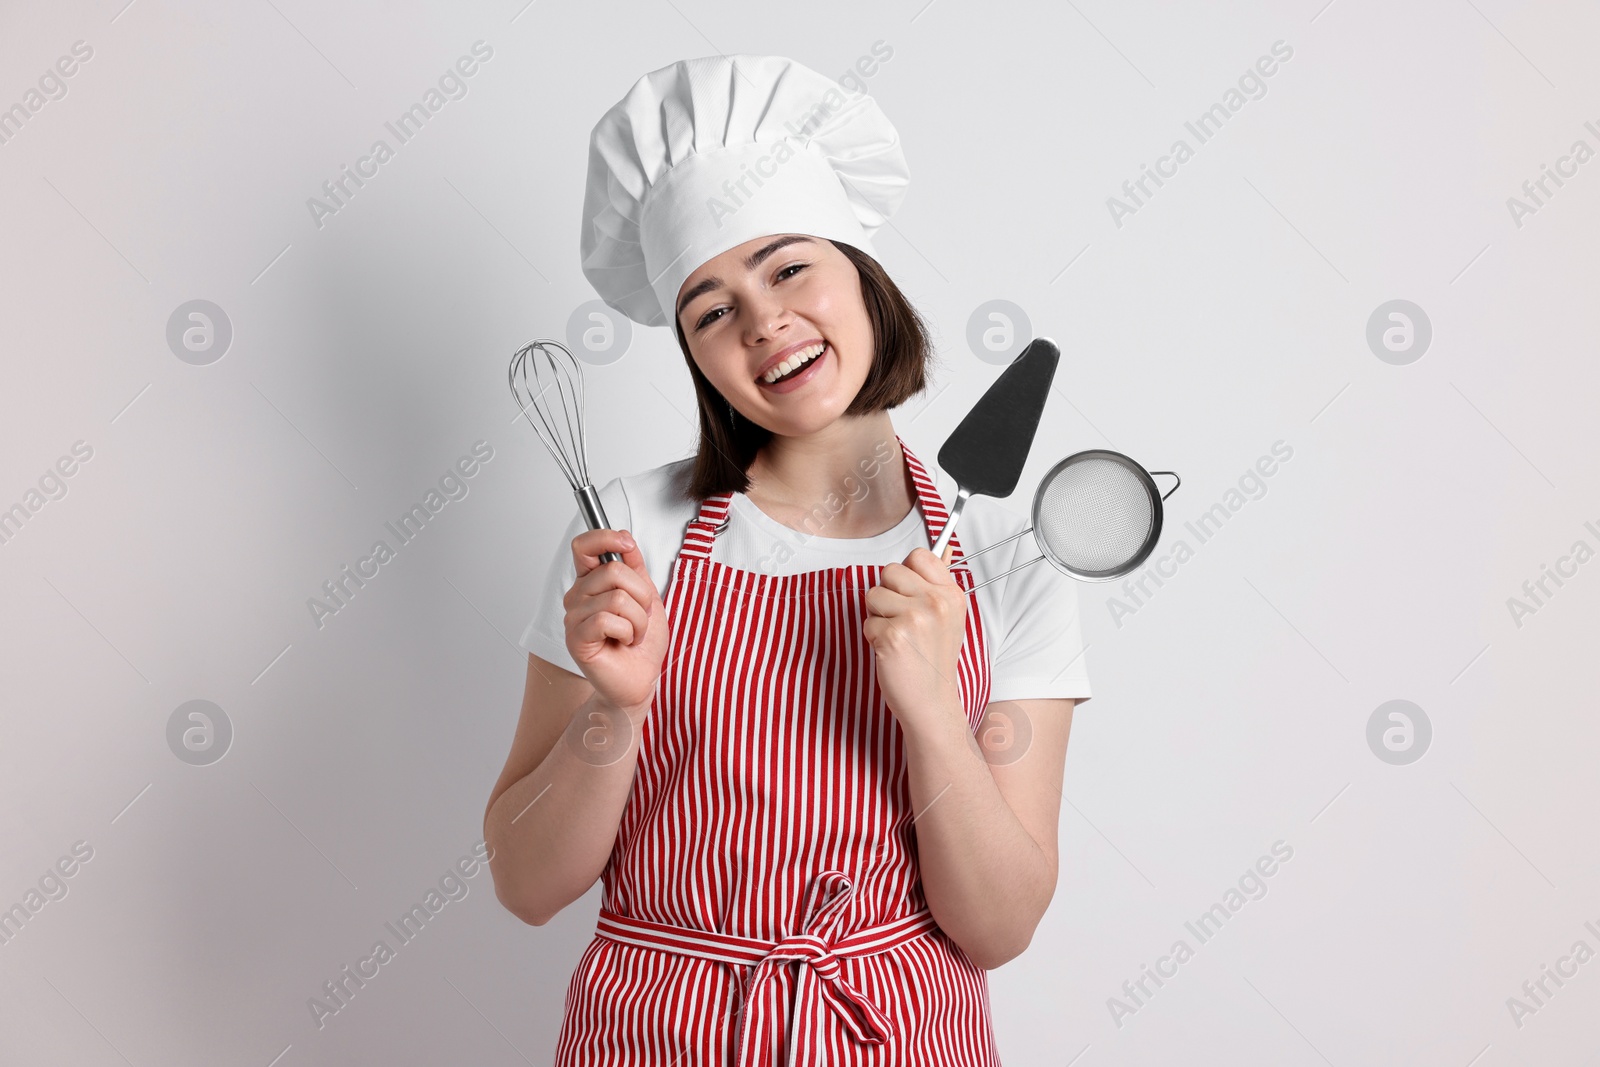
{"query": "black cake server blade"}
{"type": "Point", "coordinates": [987, 451]}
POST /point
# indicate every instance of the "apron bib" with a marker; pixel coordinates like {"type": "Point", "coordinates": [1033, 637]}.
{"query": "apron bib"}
{"type": "Point", "coordinates": [763, 903]}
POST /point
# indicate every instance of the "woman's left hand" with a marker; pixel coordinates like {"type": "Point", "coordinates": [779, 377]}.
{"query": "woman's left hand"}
{"type": "Point", "coordinates": [916, 621]}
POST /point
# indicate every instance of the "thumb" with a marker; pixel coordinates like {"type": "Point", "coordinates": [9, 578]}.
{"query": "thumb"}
{"type": "Point", "coordinates": [631, 553]}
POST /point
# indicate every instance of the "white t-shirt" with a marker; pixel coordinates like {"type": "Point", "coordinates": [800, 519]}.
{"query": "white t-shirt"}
{"type": "Point", "coordinates": [1030, 618]}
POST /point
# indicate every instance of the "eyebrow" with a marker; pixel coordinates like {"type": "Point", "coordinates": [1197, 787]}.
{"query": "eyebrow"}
{"type": "Point", "coordinates": [752, 261]}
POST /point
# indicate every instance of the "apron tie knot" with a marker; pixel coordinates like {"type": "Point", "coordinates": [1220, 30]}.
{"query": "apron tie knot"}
{"type": "Point", "coordinates": [820, 981]}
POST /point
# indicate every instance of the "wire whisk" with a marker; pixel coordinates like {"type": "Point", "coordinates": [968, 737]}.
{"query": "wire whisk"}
{"type": "Point", "coordinates": [538, 368]}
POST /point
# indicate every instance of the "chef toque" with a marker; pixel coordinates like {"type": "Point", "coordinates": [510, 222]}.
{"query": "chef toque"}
{"type": "Point", "coordinates": [706, 154]}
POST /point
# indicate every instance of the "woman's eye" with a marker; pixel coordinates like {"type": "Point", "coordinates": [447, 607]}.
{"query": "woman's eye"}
{"type": "Point", "coordinates": [711, 316]}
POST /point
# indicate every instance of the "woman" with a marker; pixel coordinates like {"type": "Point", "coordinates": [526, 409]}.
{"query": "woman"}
{"type": "Point", "coordinates": [769, 755]}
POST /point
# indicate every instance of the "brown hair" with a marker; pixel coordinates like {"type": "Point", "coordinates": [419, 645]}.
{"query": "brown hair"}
{"type": "Point", "coordinates": [902, 350]}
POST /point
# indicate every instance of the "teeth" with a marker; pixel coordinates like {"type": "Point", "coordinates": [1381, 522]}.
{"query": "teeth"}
{"type": "Point", "coordinates": [805, 355]}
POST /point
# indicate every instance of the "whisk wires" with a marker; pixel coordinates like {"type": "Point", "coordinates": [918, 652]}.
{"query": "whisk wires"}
{"type": "Point", "coordinates": [537, 368]}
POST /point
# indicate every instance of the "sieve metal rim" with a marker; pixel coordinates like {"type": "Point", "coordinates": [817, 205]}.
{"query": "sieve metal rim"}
{"type": "Point", "coordinates": [1152, 492]}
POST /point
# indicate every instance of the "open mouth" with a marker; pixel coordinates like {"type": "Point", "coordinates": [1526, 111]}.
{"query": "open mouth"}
{"type": "Point", "coordinates": [800, 372]}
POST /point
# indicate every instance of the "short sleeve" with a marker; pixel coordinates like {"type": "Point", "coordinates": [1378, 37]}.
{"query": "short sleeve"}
{"type": "Point", "coordinates": [1039, 652]}
{"type": "Point", "coordinates": [546, 633]}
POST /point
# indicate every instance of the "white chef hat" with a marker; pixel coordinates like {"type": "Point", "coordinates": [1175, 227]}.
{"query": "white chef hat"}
{"type": "Point", "coordinates": [706, 154]}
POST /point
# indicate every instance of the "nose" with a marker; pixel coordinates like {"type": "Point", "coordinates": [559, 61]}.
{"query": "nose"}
{"type": "Point", "coordinates": [768, 317]}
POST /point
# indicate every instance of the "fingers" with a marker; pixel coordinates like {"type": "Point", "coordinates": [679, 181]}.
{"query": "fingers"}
{"type": "Point", "coordinates": [901, 586]}
{"type": "Point", "coordinates": [588, 546]}
{"type": "Point", "coordinates": [609, 600]}
{"type": "Point", "coordinates": [921, 568]}
{"type": "Point", "coordinates": [935, 569]}
{"type": "Point", "coordinates": [593, 576]}
{"type": "Point", "coordinates": [900, 578]}
{"type": "Point", "coordinates": [887, 603]}
{"type": "Point", "coordinates": [614, 614]}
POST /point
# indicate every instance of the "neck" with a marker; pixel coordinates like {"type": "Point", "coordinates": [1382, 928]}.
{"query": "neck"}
{"type": "Point", "coordinates": [854, 464]}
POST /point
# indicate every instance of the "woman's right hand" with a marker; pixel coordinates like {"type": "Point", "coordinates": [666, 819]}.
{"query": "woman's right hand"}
{"type": "Point", "coordinates": [616, 623]}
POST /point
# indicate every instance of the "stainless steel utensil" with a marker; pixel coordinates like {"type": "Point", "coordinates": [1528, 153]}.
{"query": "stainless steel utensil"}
{"type": "Point", "coordinates": [536, 368]}
{"type": "Point", "coordinates": [1096, 516]}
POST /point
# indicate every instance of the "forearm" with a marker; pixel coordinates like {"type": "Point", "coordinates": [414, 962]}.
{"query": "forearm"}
{"type": "Point", "coordinates": [553, 830]}
{"type": "Point", "coordinates": [986, 879]}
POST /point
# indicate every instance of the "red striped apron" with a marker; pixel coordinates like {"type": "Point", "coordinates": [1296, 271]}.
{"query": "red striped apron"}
{"type": "Point", "coordinates": [762, 904]}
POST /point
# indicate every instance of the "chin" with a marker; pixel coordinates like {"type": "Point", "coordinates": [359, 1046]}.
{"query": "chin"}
{"type": "Point", "coordinates": [803, 424]}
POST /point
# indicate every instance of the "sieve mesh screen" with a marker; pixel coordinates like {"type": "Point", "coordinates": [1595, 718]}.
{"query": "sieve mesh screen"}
{"type": "Point", "coordinates": [1094, 515]}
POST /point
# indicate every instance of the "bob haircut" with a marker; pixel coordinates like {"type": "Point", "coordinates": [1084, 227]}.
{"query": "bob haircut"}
{"type": "Point", "coordinates": [902, 351]}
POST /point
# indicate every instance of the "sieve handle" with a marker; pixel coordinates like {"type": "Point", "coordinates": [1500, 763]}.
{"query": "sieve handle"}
{"type": "Point", "coordinates": [1176, 481]}
{"type": "Point", "coordinates": [1013, 570]}
{"type": "Point", "coordinates": [974, 555]}
{"type": "Point", "coordinates": [594, 513]}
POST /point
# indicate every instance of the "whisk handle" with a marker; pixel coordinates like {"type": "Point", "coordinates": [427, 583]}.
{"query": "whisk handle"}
{"type": "Point", "coordinates": [594, 513]}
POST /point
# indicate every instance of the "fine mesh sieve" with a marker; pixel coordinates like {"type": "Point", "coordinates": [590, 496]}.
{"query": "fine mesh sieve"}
{"type": "Point", "coordinates": [1096, 516]}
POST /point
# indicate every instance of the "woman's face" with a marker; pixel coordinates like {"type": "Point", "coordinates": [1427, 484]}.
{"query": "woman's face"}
{"type": "Point", "coordinates": [780, 295]}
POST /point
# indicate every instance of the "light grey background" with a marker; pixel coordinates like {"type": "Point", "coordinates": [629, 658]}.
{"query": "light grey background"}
{"type": "Point", "coordinates": [1228, 313]}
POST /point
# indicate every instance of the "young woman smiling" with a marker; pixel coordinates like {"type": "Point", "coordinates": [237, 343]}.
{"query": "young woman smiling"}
{"type": "Point", "coordinates": [821, 802]}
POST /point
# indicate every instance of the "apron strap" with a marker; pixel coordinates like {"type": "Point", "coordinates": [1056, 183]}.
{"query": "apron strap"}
{"type": "Point", "coordinates": [934, 513]}
{"type": "Point", "coordinates": [703, 529]}
{"type": "Point", "coordinates": [819, 983]}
